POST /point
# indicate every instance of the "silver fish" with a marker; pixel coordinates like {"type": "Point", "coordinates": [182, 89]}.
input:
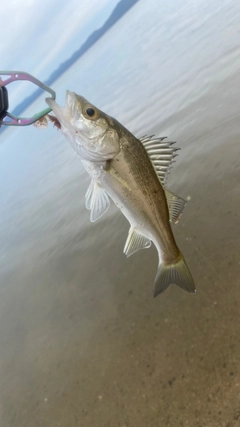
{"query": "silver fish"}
{"type": "Point", "coordinates": [132, 172]}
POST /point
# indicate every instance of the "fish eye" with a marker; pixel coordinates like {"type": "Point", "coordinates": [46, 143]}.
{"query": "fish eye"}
{"type": "Point", "coordinates": [90, 112]}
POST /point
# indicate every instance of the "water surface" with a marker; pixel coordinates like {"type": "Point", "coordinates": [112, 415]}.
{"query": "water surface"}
{"type": "Point", "coordinates": [82, 341]}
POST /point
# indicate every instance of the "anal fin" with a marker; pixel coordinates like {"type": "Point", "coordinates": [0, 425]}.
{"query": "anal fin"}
{"type": "Point", "coordinates": [135, 241]}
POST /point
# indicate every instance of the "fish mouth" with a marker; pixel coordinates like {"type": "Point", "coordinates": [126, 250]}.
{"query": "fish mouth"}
{"type": "Point", "coordinates": [71, 105]}
{"type": "Point", "coordinates": [56, 108]}
{"type": "Point", "coordinates": [69, 116]}
{"type": "Point", "coordinates": [69, 113]}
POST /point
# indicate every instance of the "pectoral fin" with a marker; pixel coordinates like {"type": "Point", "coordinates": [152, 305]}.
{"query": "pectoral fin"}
{"type": "Point", "coordinates": [96, 200]}
{"type": "Point", "coordinates": [135, 241]}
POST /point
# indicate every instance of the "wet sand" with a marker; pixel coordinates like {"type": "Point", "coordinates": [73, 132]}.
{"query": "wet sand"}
{"type": "Point", "coordinates": [82, 341]}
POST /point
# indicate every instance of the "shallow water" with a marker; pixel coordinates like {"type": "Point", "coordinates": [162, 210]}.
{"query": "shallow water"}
{"type": "Point", "coordinates": [82, 341]}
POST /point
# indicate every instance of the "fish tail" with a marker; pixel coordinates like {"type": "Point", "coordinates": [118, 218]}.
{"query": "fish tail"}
{"type": "Point", "coordinates": [176, 273]}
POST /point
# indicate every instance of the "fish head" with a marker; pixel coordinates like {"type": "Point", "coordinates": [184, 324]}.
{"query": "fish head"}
{"type": "Point", "coordinates": [90, 131]}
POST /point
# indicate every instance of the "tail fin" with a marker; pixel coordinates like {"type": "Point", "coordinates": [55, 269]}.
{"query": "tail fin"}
{"type": "Point", "coordinates": [177, 273]}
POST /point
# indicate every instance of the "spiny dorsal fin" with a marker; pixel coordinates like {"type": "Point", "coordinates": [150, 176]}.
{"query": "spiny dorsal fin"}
{"type": "Point", "coordinates": [175, 206]}
{"type": "Point", "coordinates": [161, 154]}
{"type": "Point", "coordinates": [135, 241]}
{"type": "Point", "coordinates": [96, 200]}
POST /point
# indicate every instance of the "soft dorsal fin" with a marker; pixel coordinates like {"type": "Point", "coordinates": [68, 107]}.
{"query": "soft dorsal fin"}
{"type": "Point", "coordinates": [161, 154]}
{"type": "Point", "coordinates": [175, 206]}
{"type": "Point", "coordinates": [135, 241]}
{"type": "Point", "coordinates": [96, 200]}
